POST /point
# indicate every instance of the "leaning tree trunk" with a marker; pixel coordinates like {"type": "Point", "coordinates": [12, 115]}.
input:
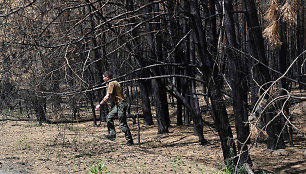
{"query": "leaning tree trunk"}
{"type": "Point", "coordinates": [220, 117]}
{"type": "Point", "coordinates": [198, 124]}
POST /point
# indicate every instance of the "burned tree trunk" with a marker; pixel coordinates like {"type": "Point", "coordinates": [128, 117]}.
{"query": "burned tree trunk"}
{"type": "Point", "coordinates": [238, 81]}
{"type": "Point", "coordinates": [143, 84]}
{"type": "Point", "coordinates": [261, 70]}
{"type": "Point", "coordinates": [146, 106]}
{"type": "Point", "coordinates": [174, 34]}
{"type": "Point", "coordinates": [158, 86]}
{"type": "Point", "coordinates": [214, 86]}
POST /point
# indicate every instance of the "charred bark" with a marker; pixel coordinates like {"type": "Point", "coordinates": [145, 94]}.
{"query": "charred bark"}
{"type": "Point", "coordinates": [214, 86]}
{"type": "Point", "coordinates": [257, 46]}
{"type": "Point", "coordinates": [239, 90]}
{"type": "Point", "coordinates": [146, 106]}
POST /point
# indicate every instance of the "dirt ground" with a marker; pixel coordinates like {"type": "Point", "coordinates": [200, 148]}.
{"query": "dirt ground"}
{"type": "Point", "coordinates": [26, 147]}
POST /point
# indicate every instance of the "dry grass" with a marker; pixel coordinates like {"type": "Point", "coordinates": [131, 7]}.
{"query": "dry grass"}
{"type": "Point", "coordinates": [72, 148]}
{"type": "Point", "coordinates": [288, 13]}
{"type": "Point", "coordinates": [271, 32]}
{"type": "Point", "coordinates": [273, 15]}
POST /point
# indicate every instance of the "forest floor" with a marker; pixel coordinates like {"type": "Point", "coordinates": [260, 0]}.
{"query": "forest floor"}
{"type": "Point", "coordinates": [26, 147]}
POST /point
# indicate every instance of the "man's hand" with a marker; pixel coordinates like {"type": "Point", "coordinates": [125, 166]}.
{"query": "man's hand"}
{"type": "Point", "coordinates": [98, 107]}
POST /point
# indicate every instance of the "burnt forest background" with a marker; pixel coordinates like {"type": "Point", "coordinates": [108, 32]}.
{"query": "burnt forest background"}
{"type": "Point", "coordinates": [246, 54]}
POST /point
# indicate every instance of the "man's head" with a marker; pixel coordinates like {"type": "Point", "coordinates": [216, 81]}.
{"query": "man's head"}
{"type": "Point", "coordinates": [107, 75]}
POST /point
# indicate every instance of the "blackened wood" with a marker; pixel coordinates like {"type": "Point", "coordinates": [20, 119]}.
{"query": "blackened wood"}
{"type": "Point", "coordinates": [214, 86]}
{"type": "Point", "coordinates": [146, 106]}
{"type": "Point", "coordinates": [239, 90]}
{"type": "Point", "coordinates": [143, 84]}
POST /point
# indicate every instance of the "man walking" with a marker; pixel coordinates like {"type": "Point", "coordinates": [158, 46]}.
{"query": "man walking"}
{"type": "Point", "coordinates": [114, 92]}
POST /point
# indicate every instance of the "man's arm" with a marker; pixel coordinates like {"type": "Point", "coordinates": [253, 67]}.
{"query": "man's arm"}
{"type": "Point", "coordinates": [105, 99]}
